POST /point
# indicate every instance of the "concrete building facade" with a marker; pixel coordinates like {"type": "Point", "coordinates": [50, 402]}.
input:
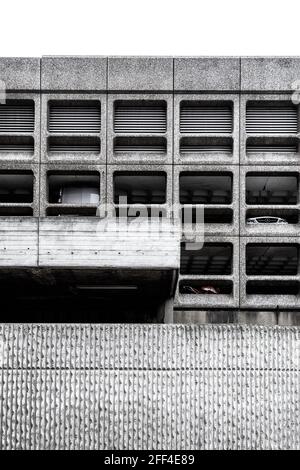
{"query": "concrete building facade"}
{"type": "Point", "coordinates": [222, 133]}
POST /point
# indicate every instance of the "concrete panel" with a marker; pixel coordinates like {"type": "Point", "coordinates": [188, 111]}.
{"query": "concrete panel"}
{"type": "Point", "coordinates": [74, 73]}
{"type": "Point", "coordinates": [140, 73]}
{"type": "Point", "coordinates": [18, 242]}
{"type": "Point", "coordinates": [207, 74]}
{"type": "Point", "coordinates": [20, 73]}
{"type": "Point", "coordinates": [269, 73]}
{"type": "Point", "coordinates": [107, 243]}
{"type": "Point", "coordinates": [172, 387]}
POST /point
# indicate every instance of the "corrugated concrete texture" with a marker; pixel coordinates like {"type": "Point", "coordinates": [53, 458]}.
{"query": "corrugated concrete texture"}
{"type": "Point", "coordinates": [149, 387]}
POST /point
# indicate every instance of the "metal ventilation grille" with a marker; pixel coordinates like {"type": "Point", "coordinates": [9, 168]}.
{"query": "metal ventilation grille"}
{"type": "Point", "coordinates": [18, 148]}
{"type": "Point", "coordinates": [205, 119]}
{"type": "Point", "coordinates": [251, 149]}
{"type": "Point", "coordinates": [17, 116]}
{"type": "Point", "coordinates": [140, 149]}
{"type": "Point", "coordinates": [75, 117]}
{"type": "Point", "coordinates": [150, 145]}
{"type": "Point", "coordinates": [187, 149]}
{"type": "Point", "coordinates": [271, 119]}
{"type": "Point", "coordinates": [138, 118]}
{"type": "Point", "coordinates": [74, 145]}
{"type": "Point", "coordinates": [74, 148]}
{"type": "Point", "coordinates": [16, 144]}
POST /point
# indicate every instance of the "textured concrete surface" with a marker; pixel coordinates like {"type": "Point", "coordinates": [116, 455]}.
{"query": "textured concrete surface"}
{"type": "Point", "coordinates": [206, 74]}
{"type": "Point", "coordinates": [149, 387]}
{"type": "Point", "coordinates": [74, 73]}
{"type": "Point", "coordinates": [20, 73]}
{"type": "Point", "coordinates": [140, 73]}
{"type": "Point", "coordinates": [269, 73]}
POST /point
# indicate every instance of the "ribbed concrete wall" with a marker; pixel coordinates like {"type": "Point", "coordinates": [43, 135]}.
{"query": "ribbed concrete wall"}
{"type": "Point", "coordinates": [149, 387]}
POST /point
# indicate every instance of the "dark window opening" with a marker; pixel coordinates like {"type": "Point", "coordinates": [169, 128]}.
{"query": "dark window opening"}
{"type": "Point", "coordinates": [17, 144]}
{"type": "Point", "coordinates": [212, 259]}
{"type": "Point", "coordinates": [205, 188]}
{"type": "Point", "coordinates": [71, 117]}
{"type": "Point", "coordinates": [140, 188]}
{"type": "Point", "coordinates": [272, 288]}
{"type": "Point", "coordinates": [140, 117]}
{"type": "Point", "coordinates": [201, 117]}
{"type": "Point", "coordinates": [16, 187]}
{"type": "Point", "coordinates": [149, 145]}
{"type": "Point", "coordinates": [272, 145]}
{"type": "Point", "coordinates": [16, 211]}
{"type": "Point", "coordinates": [79, 189]}
{"type": "Point", "coordinates": [205, 287]}
{"type": "Point", "coordinates": [272, 259]}
{"type": "Point", "coordinates": [203, 145]}
{"type": "Point", "coordinates": [272, 188]}
{"type": "Point", "coordinates": [211, 216]}
{"type": "Point", "coordinates": [74, 145]}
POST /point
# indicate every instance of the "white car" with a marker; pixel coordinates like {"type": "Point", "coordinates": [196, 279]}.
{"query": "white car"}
{"type": "Point", "coordinates": [266, 220]}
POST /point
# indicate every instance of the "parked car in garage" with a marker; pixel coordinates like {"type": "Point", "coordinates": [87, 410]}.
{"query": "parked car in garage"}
{"type": "Point", "coordinates": [200, 290]}
{"type": "Point", "coordinates": [266, 220]}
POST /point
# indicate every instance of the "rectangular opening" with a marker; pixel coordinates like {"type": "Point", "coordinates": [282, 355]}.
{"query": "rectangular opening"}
{"type": "Point", "coordinates": [272, 259]}
{"type": "Point", "coordinates": [71, 117]}
{"type": "Point", "coordinates": [212, 259]}
{"type": "Point", "coordinates": [205, 287]}
{"type": "Point", "coordinates": [17, 144]}
{"type": "Point", "coordinates": [272, 288]}
{"type": "Point", "coordinates": [211, 216]}
{"type": "Point", "coordinates": [17, 116]}
{"type": "Point", "coordinates": [140, 187]}
{"type": "Point", "coordinates": [203, 145]}
{"type": "Point", "coordinates": [205, 188]}
{"type": "Point", "coordinates": [275, 217]}
{"type": "Point", "coordinates": [272, 188]}
{"type": "Point", "coordinates": [288, 147]}
{"type": "Point", "coordinates": [150, 145]}
{"type": "Point", "coordinates": [71, 211]}
{"type": "Point", "coordinates": [140, 117]}
{"type": "Point", "coordinates": [70, 145]}
{"type": "Point", "coordinates": [79, 189]}
{"type": "Point", "coordinates": [16, 187]}
{"type": "Point", "coordinates": [202, 117]}
{"type": "Point", "coordinates": [271, 117]}
{"type": "Point", "coordinates": [135, 211]}
{"type": "Point", "coordinates": [16, 211]}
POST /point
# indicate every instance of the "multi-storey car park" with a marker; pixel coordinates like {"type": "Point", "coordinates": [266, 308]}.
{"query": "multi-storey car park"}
{"type": "Point", "coordinates": [76, 133]}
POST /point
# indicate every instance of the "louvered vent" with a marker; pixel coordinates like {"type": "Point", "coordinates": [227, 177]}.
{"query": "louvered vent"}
{"type": "Point", "coordinates": [16, 144]}
{"type": "Point", "coordinates": [17, 116]}
{"type": "Point", "coordinates": [74, 117]}
{"type": "Point", "coordinates": [272, 145]}
{"type": "Point", "coordinates": [140, 117]}
{"type": "Point", "coordinates": [149, 145]}
{"type": "Point", "coordinates": [199, 118]}
{"type": "Point", "coordinates": [192, 145]}
{"type": "Point", "coordinates": [74, 145]}
{"type": "Point", "coordinates": [271, 118]}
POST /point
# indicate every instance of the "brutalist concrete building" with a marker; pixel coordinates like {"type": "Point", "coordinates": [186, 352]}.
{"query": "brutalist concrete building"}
{"type": "Point", "coordinates": [217, 325]}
